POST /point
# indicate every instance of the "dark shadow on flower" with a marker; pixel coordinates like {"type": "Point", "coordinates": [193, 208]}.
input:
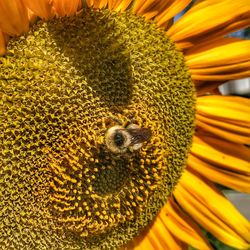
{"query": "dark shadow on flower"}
{"type": "Point", "coordinates": [93, 46]}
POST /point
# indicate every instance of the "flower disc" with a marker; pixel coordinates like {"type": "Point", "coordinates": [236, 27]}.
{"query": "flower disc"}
{"type": "Point", "coordinates": [63, 86]}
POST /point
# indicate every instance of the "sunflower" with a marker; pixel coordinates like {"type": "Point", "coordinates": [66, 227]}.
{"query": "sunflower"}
{"type": "Point", "coordinates": [114, 134]}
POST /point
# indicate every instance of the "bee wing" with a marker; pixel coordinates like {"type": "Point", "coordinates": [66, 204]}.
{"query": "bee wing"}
{"type": "Point", "coordinates": [139, 135]}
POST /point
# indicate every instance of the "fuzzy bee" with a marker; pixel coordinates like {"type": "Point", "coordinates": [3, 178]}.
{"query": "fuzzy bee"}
{"type": "Point", "coordinates": [119, 139]}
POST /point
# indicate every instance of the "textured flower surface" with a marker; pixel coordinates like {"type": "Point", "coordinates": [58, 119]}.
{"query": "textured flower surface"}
{"type": "Point", "coordinates": [113, 132]}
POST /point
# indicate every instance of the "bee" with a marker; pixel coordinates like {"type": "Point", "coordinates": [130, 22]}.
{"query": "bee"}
{"type": "Point", "coordinates": [119, 139]}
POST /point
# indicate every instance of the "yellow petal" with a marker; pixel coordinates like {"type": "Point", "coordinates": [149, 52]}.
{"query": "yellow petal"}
{"type": "Point", "coordinates": [122, 5]}
{"type": "Point", "coordinates": [90, 2]}
{"type": "Point", "coordinates": [226, 124]}
{"type": "Point", "coordinates": [184, 45]}
{"type": "Point", "coordinates": [215, 34]}
{"type": "Point", "coordinates": [212, 36]}
{"type": "Point", "coordinates": [161, 10]}
{"type": "Point", "coordinates": [41, 8]}
{"type": "Point", "coordinates": [232, 102]}
{"type": "Point", "coordinates": [141, 245]}
{"type": "Point", "coordinates": [143, 6]}
{"type": "Point", "coordinates": [96, 3]}
{"type": "Point", "coordinates": [227, 155]}
{"type": "Point", "coordinates": [224, 134]}
{"type": "Point", "coordinates": [221, 77]}
{"type": "Point", "coordinates": [66, 7]}
{"type": "Point", "coordinates": [226, 51]}
{"type": "Point", "coordinates": [224, 72]}
{"type": "Point", "coordinates": [137, 5]}
{"type": "Point", "coordinates": [202, 19]}
{"type": "Point", "coordinates": [182, 226]}
{"type": "Point", "coordinates": [223, 112]}
{"type": "Point", "coordinates": [223, 68]}
{"type": "Point", "coordinates": [159, 232]}
{"type": "Point", "coordinates": [236, 109]}
{"type": "Point", "coordinates": [2, 43]}
{"type": "Point", "coordinates": [233, 149]}
{"type": "Point", "coordinates": [157, 236]}
{"type": "Point", "coordinates": [112, 3]}
{"type": "Point", "coordinates": [208, 206]}
{"type": "Point", "coordinates": [242, 23]}
{"type": "Point", "coordinates": [101, 4]}
{"type": "Point", "coordinates": [13, 17]}
{"type": "Point", "coordinates": [173, 9]}
{"type": "Point", "coordinates": [219, 175]}
{"type": "Point", "coordinates": [32, 16]}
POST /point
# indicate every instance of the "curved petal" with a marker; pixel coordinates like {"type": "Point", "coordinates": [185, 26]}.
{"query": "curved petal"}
{"type": "Point", "coordinates": [225, 68]}
{"type": "Point", "coordinates": [222, 77]}
{"type": "Point", "coordinates": [224, 130]}
{"type": "Point", "coordinates": [157, 236]}
{"type": "Point", "coordinates": [222, 73]}
{"type": "Point", "coordinates": [182, 226]}
{"type": "Point", "coordinates": [13, 17]}
{"type": "Point", "coordinates": [143, 6]}
{"type": "Point", "coordinates": [66, 7]}
{"type": "Point", "coordinates": [121, 5]}
{"type": "Point", "coordinates": [208, 206]}
{"type": "Point", "coordinates": [232, 124]}
{"type": "Point", "coordinates": [32, 16]}
{"type": "Point", "coordinates": [173, 9]}
{"type": "Point", "coordinates": [213, 36]}
{"type": "Point", "coordinates": [2, 43]}
{"type": "Point", "coordinates": [226, 155]}
{"type": "Point", "coordinates": [215, 173]}
{"type": "Point", "coordinates": [90, 3]}
{"type": "Point", "coordinates": [111, 4]}
{"type": "Point", "coordinates": [41, 8]}
{"type": "Point", "coordinates": [100, 4]}
{"type": "Point", "coordinates": [223, 52]}
{"type": "Point", "coordinates": [202, 20]}
{"type": "Point", "coordinates": [224, 107]}
{"type": "Point", "coordinates": [161, 10]}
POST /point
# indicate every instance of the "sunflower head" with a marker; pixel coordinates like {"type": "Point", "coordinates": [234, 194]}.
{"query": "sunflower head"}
{"type": "Point", "coordinates": [97, 115]}
{"type": "Point", "coordinates": [103, 107]}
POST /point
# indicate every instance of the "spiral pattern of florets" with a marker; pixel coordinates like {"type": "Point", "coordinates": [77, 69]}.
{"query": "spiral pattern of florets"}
{"type": "Point", "coordinates": [62, 86]}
